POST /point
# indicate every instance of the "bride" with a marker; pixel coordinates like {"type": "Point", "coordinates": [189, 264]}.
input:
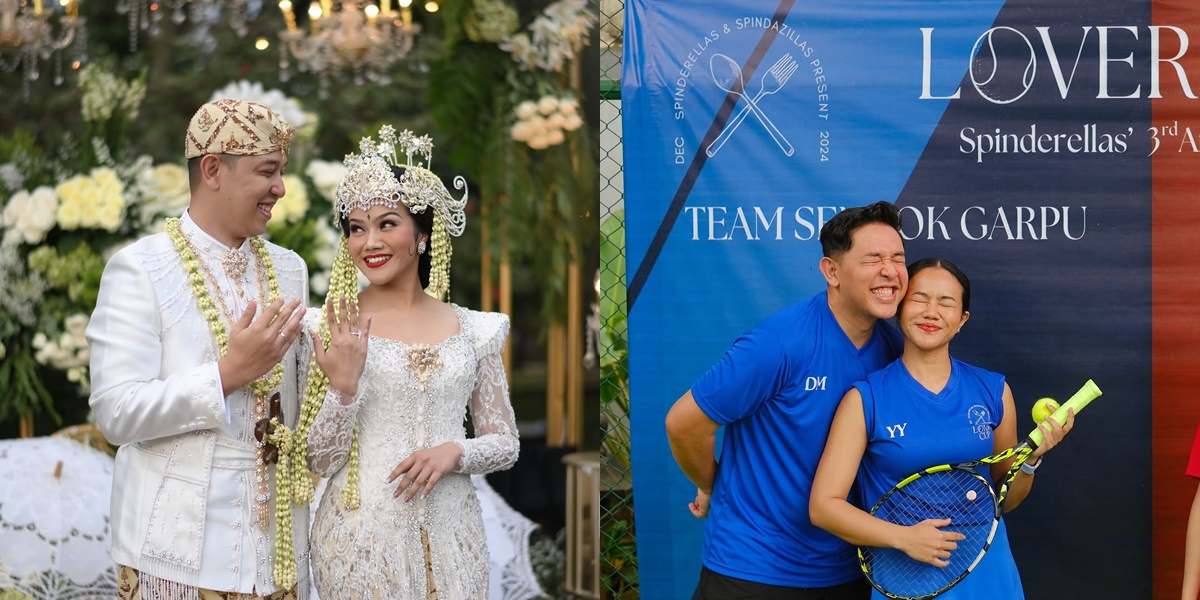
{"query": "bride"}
{"type": "Point", "coordinates": [400, 517]}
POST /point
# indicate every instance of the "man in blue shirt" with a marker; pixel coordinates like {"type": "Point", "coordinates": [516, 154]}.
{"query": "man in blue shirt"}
{"type": "Point", "coordinates": [775, 392]}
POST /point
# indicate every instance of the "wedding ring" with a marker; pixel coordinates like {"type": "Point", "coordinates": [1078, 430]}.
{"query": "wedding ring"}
{"type": "Point", "coordinates": [356, 333]}
{"type": "Point", "coordinates": [282, 335]}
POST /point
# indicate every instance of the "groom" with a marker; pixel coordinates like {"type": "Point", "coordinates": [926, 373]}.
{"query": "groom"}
{"type": "Point", "coordinates": [191, 339]}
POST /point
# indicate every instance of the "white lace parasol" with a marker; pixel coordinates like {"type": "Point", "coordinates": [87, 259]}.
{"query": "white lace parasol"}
{"type": "Point", "coordinates": [54, 528]}
{"type": "Point", "coordinates": [510, 572]}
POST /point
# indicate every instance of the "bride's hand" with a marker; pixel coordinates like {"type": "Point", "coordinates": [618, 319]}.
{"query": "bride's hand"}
{"type": "Point", "coordinates": [343, 362]}
{"type": "Point", "coordinates": [424, 468]}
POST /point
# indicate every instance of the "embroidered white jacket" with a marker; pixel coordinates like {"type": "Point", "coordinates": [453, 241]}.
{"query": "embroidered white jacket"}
{"type": "Point", "coordinates": [184, 480]}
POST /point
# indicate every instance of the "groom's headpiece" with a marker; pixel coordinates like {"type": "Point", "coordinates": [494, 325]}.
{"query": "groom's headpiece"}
{"type": "Point", "coordinates": [238, 127]}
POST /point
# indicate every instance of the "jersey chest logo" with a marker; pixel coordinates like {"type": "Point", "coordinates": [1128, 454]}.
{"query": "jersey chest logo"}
{"type": "Point", "coordinates": [980, 419]}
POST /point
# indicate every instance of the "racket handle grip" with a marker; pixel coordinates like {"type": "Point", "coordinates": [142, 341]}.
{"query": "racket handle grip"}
{"type": "Point", "coordinates": [1079, 401]}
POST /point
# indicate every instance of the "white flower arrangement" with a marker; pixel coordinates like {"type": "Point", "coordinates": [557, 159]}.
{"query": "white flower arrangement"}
{"type": "Point", "coordinates": [69, 352]}
{"type": "Point", "coordinates": [326, 238]}
{"type": "Point", "coordinates": [93, 201]}
{"type": "Point", "coordinates": [56, 237]}
{"type": "Point", "coordinates": [325, 176]}
{"type": "Point", "coordinates": [163, 190]}
{"type": "Point", "coordinates": [11, 177]}
{"type": "Point", "coordinates": [553, 37]}
{"type": "Point", "coordinates": [28, 216]}
{"type": "Point", "coordinates": [287, 107]}
{"type": "Point", "coordinates": [105, 95]}
{"type": "Point", "coordinates": [20, 291]}
{"type": "Point", "coordinates": [294, 203]}
{"type": "Point", "coordinates": [542, 124]}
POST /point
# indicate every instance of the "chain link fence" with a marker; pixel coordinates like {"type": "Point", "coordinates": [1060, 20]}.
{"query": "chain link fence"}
{"type": "Point", "coordinates": [618, 551]}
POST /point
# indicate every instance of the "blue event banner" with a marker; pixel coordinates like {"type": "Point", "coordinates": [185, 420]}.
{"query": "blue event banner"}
{"type": "Point", "coordinates": [1016, 138]}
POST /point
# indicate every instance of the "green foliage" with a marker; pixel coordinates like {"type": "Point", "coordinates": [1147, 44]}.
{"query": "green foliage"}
{"type": "Point", "coordinates": [466, 95]}
{"type": "Point", "coordinates": [614, 344]}
{"type": "Point", "coordinates": [21, 378]}
{"type": "Point", "coordinates": [77, 273]}
{"type": "Point", "coordinates": [540, 201]}
{"type": "Point", "coordinates": [21, 149]}
{"type": "Point", "coordinates": [618, 546]}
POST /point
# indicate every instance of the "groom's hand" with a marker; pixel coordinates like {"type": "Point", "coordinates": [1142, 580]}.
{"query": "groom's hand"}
{"type": "Point", "coordinates": [256, 345]}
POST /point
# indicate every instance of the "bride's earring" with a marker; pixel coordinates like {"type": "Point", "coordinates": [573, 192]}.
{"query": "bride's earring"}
{"type": "Point", "coordinates": [421, 247]}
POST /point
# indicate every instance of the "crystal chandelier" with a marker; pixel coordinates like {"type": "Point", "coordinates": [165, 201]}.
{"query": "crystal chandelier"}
{"type": "Point", "coordinates": [147, 16]}
{"type": "Point", "coordinates": [364, 41]}
{"type": "Point", "coordinates": [27, 36]}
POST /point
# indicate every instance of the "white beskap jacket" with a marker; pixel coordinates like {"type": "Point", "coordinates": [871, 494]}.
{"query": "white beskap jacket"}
{"type": "Point", "coordinates": [184, 480]}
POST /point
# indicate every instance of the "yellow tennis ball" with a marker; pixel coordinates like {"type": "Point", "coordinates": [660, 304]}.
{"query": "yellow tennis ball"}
{"type": "Point", "coordinates": [1043, 408]}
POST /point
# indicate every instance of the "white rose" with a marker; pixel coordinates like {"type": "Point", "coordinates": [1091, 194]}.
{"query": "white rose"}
{"type": "Point", "coordinates": [294, 203]}
{"type": "Point", "coordinates": [90, 215]}
{"type": "Point", "coordinates": [567, 105]}
{"type": "Point", "coordinates": [537, 127]}
{"type": "Point", "coordinates": [328, 240]}
{"type": "Point", "coordinates": [325, 176]}
{"type": "Point", "coordinates": [572, 122]}
{"type": "Point", "coordinates": [78, 375]}
{"type": "Point", "coordinates": [554, 121]}
{"type": "Point", "coordinates": [547, 105]}
{"type": "Point", "coordinates": [77, 324]}
{"type": "Point", "coordinates": [554, 137]}
{"type": "Point", "coordinates": [526, 109]}
{"type": "Point", "coordinates": [111, 216]}
{"type": "Point", "coordinates": [12, 217]}
{"type": "Point", "coordinates": [318, 283]}
{"type": "Point", "coordinates": [11, 176]}
{"type": "Point", "coordinates": [520, 131]}
{"type": "Point", "coordinates": [164, 189]}
{"type": "Point", "coordinates": [538, 143]}
{"type": "Point", "coordinates": [43, 203]}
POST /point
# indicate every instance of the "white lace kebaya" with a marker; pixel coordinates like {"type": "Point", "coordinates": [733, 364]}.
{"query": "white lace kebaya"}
{"type": "Point", "coordinates": [413, 397]}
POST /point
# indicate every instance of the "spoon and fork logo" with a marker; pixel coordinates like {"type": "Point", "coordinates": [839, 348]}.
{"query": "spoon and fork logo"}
{"type": "Point", "coordinates": [727, 74]}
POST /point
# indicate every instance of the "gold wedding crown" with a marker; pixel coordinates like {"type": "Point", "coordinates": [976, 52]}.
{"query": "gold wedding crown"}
{"type": "Point", "coordinates": [369, 180]}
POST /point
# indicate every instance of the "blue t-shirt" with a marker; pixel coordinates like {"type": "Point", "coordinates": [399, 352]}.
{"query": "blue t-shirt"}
{"type": "Point", "coordinates": [910, 428]}
{"type": "Point", "coordinates": [775, 391]}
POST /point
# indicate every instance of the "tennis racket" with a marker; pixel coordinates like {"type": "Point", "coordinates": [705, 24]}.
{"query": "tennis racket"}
{"type": "Point", "coordinates": [956, 492]}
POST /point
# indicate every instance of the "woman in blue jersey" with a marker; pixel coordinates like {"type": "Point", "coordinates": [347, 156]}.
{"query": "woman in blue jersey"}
{"type": "Point", "coordinates": [924, 409]}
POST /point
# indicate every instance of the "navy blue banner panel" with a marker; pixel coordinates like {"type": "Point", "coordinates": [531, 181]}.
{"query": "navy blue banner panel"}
{"type": "Point", "coordinates": [1047, 148]}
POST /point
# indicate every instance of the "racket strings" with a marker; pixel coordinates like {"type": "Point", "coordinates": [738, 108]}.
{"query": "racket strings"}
{"type": "Point", "coordinates": [964, 497]}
